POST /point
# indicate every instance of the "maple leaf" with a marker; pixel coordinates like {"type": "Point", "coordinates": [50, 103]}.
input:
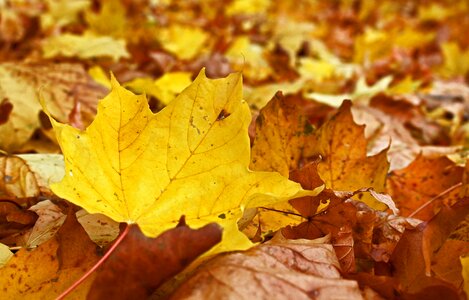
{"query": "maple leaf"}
{"type": "Point", "coordinates": [84, 46]}
{"type": "Point", "coordinates": [189, 159]}
{"type": "Point", "coordinates": [344, 166]}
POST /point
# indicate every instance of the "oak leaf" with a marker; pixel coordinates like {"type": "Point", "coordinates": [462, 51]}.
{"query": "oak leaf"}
{"type": "Point", "coordinates": [189, 159]}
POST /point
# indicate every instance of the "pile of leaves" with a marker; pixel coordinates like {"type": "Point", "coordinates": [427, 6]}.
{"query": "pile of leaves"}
{"type": "Point", "coordinates": [242, 149]}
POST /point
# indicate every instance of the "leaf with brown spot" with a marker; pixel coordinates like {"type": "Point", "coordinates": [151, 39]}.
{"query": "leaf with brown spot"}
{"type": "Point", "coordinates": [140, 264]}
{"type": "Point", "coordinates": [45, 272]}
{"type": "Point", "coordinates": [278, 269]}
{"type": "Point", "coordinates": [424, 179]}
{"type": "Point", "coordinates": [58, 84]}
{"type": "Point", "coordinates": [282, 129]}
{"type": "Point", "coordinates": [344, 166]}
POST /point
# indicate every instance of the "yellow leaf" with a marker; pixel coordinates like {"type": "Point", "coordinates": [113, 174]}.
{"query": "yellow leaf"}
{"type": "Point", "coordinates": [165, 88]}
{"type": "Point", "coordinates": [5, 254]}
{"type": "Point", "coordinates": [183, 41]}
{"type": "Point", "coordinates": [189, 159]}
{"type": "Point", "coordinates": [456, 61]}
{"type": "Point", "coordinates": [59, 84]}
{"type": "Point", "coordinates": [248, 58]}
{"type": "Point", "coordinates": [247, 7]}
{"type": "Point", "coordinates": [465, 273]}
{"type": "Point", "coordinates": [362, 92]}
{"type": "Point", "coordinates": [98, 75]}
{"type": "Point", "coordinates": [110, 21]}
{"type": "Point", "coordinates": [171, 84]}
{"type": "Point", "coordinates": [62, 12]}
{"type": "Point", "coordinates": [84, 46]}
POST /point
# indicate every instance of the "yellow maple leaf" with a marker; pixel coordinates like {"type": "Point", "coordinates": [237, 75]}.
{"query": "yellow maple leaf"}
{"type": "Point", "coordinates": [189, 159]}
{"type": "Point", "coordinates": [465, 273]}
{"type": "Point", "coordinates": [184, 42]}
{"type": "Point", "coordinates": [84, 46]}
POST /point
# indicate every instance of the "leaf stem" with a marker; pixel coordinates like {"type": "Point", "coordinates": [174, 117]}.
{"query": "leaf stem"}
{"type": "Point", "coordinates": [435, 198]}
{"type": "Point", "coordinates": [97, 265]}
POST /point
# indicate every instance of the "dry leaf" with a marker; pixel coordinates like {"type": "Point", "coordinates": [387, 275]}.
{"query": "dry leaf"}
{"type": "Point", "coordinates": [128, 276]}
{"type": "Point", "coordinates": [284, 269]}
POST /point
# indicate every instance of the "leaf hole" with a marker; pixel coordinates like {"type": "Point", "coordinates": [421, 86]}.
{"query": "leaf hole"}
{"type": "Point", "coordinates": [223, 115]}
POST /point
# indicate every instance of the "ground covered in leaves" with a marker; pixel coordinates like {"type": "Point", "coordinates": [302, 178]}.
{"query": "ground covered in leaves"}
{"type": "Point", "coordinates": [241, 150]}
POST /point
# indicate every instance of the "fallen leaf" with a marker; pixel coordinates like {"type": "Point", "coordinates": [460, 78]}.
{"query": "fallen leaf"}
{"type": "Point", "coordinates": [413, 255]}
{"type": "Point", "coordinates": [422, 181]}
{"type": "Point", "coordinates": [282, 129]}
{"type": "Point", "coordinates": [197, 167]}
{"type": "Point", "coordinates": [126, 275]}
{"type": "Point", "coordinates": [5, 254]}
{"type": "Point", "coordinates": [284, 269]}
{"type": "Point", "coordinates": [101, 229]}
{"type": "Point", "coordinates": [185, 42]}
{"type": "Point", "coordinates": [17, 179]}
{"type": "Point", "coordinates": [58, 84]}
{"type": "Point", "coordinates": [50, 219]}
{"type": "Point", "coordinates": [344, 166]}
{"type": "Point", "coordinates": [46, 271]}
{"type": "Point", "coordinates": [84, 47]}
{"type": "Point", "coordinates": [465, 273]}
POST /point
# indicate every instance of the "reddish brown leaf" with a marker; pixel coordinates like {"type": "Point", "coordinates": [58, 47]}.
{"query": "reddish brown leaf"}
{"type": "Point", "coordinates": [48, 270]}
{"type": "Point", "coordinates": [416, 249]}
{"type": "Point", "coordinates": [279, 269]}
{"type": "Point", "coordinates": [140, 264]}
{"type": "Point", "coordinates": [424, 179]}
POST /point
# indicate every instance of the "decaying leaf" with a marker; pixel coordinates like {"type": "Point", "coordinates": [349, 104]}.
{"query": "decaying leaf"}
{"type": "Point", "coordinates": [52, 267]}
{"type": "Point", "coordinates": [101, 229]}
{"type": "Point", "coordinates": [282, 129]}
{"type": "Point", "coordinates": [191, 158]}
{"type": "Point", "coordinates": [59, 84]}
{"type": "Point", "coordinates": [126, 275]}
{"type": "Point", "coordinates": [423, 180]}
{"type": "Point", "coordinates": [344, 166]}
{"type": "Point", "coordinates": [413, 256]}
{"type": "Point", "coordinates": [17, 179]}
{"type": "Point", "coordinates": [280, 269]}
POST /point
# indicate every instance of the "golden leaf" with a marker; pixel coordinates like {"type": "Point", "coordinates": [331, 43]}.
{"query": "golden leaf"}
{"type": "Point", "coordinates": [189, 159]}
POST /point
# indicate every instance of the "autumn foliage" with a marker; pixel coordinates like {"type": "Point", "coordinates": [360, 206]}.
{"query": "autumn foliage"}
{"type": "Point", "coordinates": [234, 149]}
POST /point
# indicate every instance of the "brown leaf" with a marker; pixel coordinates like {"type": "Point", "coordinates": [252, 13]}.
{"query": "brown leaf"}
{"type": "Point", "coordinates": [279, 269]}
{"type": "Point", "coordinates": [424, 179]}
{"type": "Point", "coordinates": [413, 255]}
{"type": "Point", "coordinates": [58, 84]}
{"type": "Point", "coordinates": [344, 166]}
{"type": "Point", "coordinates": [140, 264]}
{"type": "Point", "coordinates": [46, 271]}
{"type": "Point", "coordinates": [282, 129]}
{"type": "Point", "coordinates": [17, 180]}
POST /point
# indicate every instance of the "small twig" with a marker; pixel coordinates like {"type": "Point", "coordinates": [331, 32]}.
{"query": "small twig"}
{"type": "Point", "coordinates": [96, 266]}
{"type": "Point", "coordinates": [281, 211]}
{"type": "Point", "coordinates": [435, 198]}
